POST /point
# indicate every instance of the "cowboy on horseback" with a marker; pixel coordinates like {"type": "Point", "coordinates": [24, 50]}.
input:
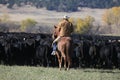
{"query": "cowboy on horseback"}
{"type": "Point", "coordinates": [65, 28]}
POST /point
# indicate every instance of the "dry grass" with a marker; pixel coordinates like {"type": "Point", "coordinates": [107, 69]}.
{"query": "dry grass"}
{"type": "Point", "coordinates": [49, 17]}
{"type": "Point", "coordinates": [41, 73]}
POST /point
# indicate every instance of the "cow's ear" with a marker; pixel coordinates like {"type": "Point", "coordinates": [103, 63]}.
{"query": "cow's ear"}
{"type": "Point", "coordinates": [55, 26]}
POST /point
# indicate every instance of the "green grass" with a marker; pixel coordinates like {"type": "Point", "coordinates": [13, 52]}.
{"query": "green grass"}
{"type": "Point", "coordinates": [41, 73]}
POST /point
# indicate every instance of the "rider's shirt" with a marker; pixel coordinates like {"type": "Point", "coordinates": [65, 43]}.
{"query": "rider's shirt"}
{"type": "Point", "coordinates": [65, 27]}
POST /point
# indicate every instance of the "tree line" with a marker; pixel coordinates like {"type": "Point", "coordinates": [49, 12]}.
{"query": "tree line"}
{"type": "Point", "coordinates": [63, 5]}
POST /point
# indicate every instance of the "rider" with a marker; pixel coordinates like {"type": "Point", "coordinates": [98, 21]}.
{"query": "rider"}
{"type": "Point", "coordinates": [65, 29]}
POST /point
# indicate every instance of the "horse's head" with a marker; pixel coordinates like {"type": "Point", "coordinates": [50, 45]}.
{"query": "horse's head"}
{"type": "Point", "coordinates": [55, 32]}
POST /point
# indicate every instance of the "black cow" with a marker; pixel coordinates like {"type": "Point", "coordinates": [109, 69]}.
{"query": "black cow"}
{"type": "Point", "coordinates": [15, 50]}
{"type": "Point", "coordinates": [106, 55]}
{"type": "Point", "coordinates": [77, 56]}
{"type": "Point", "coordinates": [2, 51]}
{"type": "Point", "coordinates": [93, 55]}
{"type": "Point", "coordinates": [116, 56]}
{"type": "Point", "coordinates": [43, 50]}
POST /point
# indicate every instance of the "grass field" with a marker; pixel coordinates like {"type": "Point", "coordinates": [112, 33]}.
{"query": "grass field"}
{"type": "Point", "coordinates": [41, 73]}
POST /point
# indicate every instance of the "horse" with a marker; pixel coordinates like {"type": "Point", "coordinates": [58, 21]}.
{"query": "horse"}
{"type": "Point", "coordinates": [64, 49]}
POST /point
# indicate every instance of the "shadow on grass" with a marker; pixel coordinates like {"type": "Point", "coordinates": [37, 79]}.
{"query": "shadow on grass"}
{"type": "Point", "coordinates": [103, 71]}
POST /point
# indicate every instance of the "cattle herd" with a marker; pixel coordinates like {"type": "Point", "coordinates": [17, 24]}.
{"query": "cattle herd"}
{"type": "Point", "coordinates": [35, 50]}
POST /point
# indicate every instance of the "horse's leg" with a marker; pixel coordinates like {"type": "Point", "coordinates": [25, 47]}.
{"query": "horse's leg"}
{"type": "Point", "coordinates": [65, 60]}
{"type": "Point", "coordinates": [65, 63]}
{"type": "Point", "coordinates": [59, 60]}
{"type": "Point", "coordinates": [68, 52]}
{"type": "Point", "coordinates": [69, 62]}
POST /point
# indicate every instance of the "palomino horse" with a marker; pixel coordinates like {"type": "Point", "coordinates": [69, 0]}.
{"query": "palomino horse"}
{"type": "Point", "coordinates": [64, 49]}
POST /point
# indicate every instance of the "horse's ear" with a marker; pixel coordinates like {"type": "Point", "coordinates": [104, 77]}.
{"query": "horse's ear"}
{"type": "Point", "coordinates": [55, 26]}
